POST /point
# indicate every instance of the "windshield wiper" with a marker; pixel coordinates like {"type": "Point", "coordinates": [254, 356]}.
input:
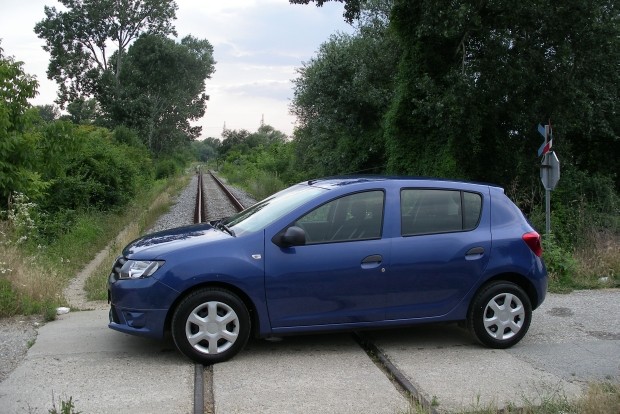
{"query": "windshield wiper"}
{"type": "Point", "coordinates": [220, 225]}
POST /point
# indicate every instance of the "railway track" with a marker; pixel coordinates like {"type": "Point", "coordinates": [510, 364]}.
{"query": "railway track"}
{"type": "Point", "coordinates": [204, 402]}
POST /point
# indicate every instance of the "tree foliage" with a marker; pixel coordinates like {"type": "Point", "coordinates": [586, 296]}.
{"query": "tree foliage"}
{"type": "Point", "coordinates": [87, 169]}
{"type": "Point", "coordinates": [48, 113]}
{"type": "Point", "coordinates": [162, 90]}
{"type": "Point", "coordinates": [16, 143]}
{"type": "Point", "coordinates": [341, 97]}
{"type": "Point", "coordinates": [79, 38]}
{"type": "Point", "coordinates": [351, 7]}
{"type": "Point", "coordinates": [474, 79]}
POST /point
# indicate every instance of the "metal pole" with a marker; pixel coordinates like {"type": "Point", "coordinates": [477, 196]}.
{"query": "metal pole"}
{"type": "Point", "coordinates": [548, 212]}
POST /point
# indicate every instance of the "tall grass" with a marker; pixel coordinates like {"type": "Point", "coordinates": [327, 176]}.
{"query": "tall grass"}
{"type": "Point", "coordinates": [259, 183]}
{"type": "Point", "coordinates": [33, 274]}
{"type": "Point", "coordinates": [598, 260]}
{"type": "Point", "coordinates": [26, 287]}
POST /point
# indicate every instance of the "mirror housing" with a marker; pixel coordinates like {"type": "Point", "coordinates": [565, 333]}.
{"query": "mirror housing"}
{"type": "Point", "coordinates": [292, 236]}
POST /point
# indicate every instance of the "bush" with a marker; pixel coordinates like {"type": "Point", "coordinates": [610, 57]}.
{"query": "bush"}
{"type": "Point", "coordinates": [165, 168]}
{"type": "Point", "coordinates": [97, 173]}
{"type": "Point", "coordinates": [561, 266]}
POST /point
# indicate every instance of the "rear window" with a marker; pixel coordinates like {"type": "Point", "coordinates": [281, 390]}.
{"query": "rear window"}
{"type": "Point", "coordinates": [427, 211]}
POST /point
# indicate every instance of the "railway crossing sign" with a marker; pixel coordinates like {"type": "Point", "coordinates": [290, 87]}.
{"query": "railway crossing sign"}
{"type": "Point", "coordinates": [547, 134]}
{"type": "Point", "coordinates": [549, 170]}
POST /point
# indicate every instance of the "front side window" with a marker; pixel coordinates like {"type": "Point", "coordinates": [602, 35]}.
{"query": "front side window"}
{"type": "Point", "coordinates": [354, 217]}
{"type": "Point", "coordinates": [270, 209]}
{"type": "Point", "coordinates": [427, 211]}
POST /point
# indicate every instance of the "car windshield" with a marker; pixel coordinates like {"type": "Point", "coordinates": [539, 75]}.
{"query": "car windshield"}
{"type": "Point", "coordinates": [270, 209]}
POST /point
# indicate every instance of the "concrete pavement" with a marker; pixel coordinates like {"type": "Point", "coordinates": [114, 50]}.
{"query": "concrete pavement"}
{"type": "Point", "coordinates": [77, 356]}
{"type": "Point", "coordinates": [573, 339]}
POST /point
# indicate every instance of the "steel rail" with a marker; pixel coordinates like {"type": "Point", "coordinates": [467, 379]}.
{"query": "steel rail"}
{"type": "Point", "coordinates": [199, 213]}
{"type": "Point", "coordinates": [230, 195]}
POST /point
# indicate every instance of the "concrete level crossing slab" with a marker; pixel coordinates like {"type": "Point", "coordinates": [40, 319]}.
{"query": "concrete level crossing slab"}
{"type": "Point", "coordinates": [103, 371]}
{"type": "Point", "coordinates": [303, 374]}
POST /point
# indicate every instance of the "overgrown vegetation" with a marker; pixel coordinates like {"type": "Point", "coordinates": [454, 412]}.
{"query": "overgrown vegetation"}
{"type": "Point", "coordinates": [65, 190]}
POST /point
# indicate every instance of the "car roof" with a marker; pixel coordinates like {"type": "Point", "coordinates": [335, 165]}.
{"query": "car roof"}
{"type": "Point", "coordinates": [339, 181]}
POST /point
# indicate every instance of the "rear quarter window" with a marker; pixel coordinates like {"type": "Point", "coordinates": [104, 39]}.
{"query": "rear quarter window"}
{"type": "Point", "coordinates": [428, 211]}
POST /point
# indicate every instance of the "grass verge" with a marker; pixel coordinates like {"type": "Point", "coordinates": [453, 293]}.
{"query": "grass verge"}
{"type": "Point", "coordinates": [32, 277]}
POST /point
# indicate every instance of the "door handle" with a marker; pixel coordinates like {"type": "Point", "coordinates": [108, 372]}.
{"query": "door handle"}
{"type": "Point", "coordinates": [372, 259]}
{"type": "Point", "coordinates": [474, 253]}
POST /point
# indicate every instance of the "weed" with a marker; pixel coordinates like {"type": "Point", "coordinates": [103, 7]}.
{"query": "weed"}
{"type": "Point", "coordinates": [66, 406]}
{"type": "Point", "coordinates": [600, 398]}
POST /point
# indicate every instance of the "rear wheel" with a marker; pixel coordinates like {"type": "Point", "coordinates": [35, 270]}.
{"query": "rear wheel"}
{"type": "Point", "coordinates": [500, 315]}
{"type": "Point", "coordinates": [210, 325]}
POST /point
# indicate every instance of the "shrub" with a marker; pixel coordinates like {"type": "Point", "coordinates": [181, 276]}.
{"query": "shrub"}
{"type": "Point", "coordinates": [561, 266]}
{"type": "Point", "coordinates": [165, 168]}
{"type": "Point", "coordinates": [97, 173]}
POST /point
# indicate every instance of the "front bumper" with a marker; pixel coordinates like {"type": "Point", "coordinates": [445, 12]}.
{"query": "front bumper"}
{"type": "Point", "coordinates": [139, 306]}
{"type": "Point", "coordinates": [149, 323]}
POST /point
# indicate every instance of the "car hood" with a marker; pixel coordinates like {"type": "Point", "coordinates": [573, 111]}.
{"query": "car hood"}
{"type": "Point", "coordinates": [156, 244]}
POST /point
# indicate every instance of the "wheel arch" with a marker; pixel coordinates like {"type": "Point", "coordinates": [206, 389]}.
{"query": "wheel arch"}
{"type": "Point", "coordinates": [518, 280]}
{"type": "Point", "coordinates": [249, 304]}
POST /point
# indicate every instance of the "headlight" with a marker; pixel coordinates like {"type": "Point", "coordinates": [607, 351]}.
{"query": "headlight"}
{"type": "Point", "coordinates": [135, 269]}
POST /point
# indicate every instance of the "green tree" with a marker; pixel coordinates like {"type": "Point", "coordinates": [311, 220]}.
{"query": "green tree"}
{"type": "Point", "coordinates": [475, 78]}
{"type": "Point", "coordinates": [341, 97]}
{"type": "Point", "coordinates": [17, 143]}
{"type": "Point", "coordinates": [48, 113]}
{"type": "Point", "coordinates": [207, 149]}
{"type": "Point", "coordinates": [83, 111]}
{"type": "Point", "coordinates": [78, 39]}
{"type": "Point", "coordinates": [234, 141]}
{"type": "Point", "coordinates": [163, 90]}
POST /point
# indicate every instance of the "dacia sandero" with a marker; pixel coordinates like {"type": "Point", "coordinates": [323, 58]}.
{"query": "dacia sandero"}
{"type": "Point", "coordinates": [336, 254]}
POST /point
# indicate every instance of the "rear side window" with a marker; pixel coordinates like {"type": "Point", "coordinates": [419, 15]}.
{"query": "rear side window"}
{"type": "Point", "coordinates": [425, 211]}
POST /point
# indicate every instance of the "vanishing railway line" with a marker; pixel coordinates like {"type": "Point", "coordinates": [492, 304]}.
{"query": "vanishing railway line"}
{"type": "Point", "coordinates": [213, 199]}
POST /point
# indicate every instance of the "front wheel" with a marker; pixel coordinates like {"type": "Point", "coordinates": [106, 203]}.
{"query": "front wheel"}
{"type": "Point", "coordinates": [500, 315]}
{"type": "Point", "coordinates": [210, 325]}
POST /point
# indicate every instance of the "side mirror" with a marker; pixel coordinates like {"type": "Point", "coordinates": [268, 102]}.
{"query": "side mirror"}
{"type": "Point", "coordinates": [292, 236]}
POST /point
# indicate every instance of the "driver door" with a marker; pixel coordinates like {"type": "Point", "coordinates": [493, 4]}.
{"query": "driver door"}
{"type": "Point", "coordinates": [338, 276]}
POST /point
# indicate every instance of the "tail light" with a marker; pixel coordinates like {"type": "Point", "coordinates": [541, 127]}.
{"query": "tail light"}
{"type": "Point", "coordinates": [532, 239]}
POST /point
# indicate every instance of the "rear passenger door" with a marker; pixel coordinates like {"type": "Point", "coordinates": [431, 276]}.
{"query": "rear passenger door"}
{"type": "Point", "coordinates": [442, 251]}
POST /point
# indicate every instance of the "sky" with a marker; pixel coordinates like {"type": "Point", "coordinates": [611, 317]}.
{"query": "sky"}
{"type": "Point", "coordinates": [258, 45]}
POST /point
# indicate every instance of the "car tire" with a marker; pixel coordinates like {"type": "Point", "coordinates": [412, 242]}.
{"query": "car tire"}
{"type": "Point", "coordinates": [210, 325]}
{"type": "Point", "coordinates": [500, 315]}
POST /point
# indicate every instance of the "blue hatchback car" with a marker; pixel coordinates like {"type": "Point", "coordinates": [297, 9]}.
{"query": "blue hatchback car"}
{"type": "Point", "coordinates": [336, 254]}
